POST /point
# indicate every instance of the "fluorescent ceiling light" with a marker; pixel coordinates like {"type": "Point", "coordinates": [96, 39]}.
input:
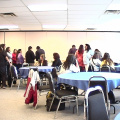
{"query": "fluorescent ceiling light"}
{"type": "Point", "coordinates": [53, 26]}
{"type": "Point", "coordinates": [49, 7]}
{"type": "Point", "coordinates": [8, 26]}
{"type": "Point", "coordinates": [114, 7]}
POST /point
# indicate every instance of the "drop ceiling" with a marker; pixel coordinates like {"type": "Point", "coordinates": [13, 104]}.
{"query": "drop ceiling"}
{"type": "Point", "coordinates": [80, 15]}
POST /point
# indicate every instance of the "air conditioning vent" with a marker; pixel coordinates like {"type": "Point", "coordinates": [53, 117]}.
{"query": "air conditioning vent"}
{"type": "Point", "coordinates": [3, 29]}
{"type": "Point", "coordinates": [112, 12]}
{"type": "Point", "coordinates": [7, 14]}
{"type": "Point", "coordinates": [91, 29]}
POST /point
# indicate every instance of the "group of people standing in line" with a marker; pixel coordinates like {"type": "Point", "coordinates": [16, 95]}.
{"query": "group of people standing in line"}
{"type": "Point", "coordinates": [78, 60]}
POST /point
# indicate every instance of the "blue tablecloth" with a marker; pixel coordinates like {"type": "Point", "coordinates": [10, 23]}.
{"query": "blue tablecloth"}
{"type": "Point", "coordinates": [24, 71]}
{"type": "Point", "coordinates": [117, 68]}
{"type": "Point", "coordinates": [81, 79]}
{"type": "Point", "coordinates": [117, 117]}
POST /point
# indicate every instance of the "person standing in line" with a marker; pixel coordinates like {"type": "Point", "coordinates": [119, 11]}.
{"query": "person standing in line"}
{"type": "Point", "coordinates": [3, 59]}
{"type": "Point", "coordinates": [39, 52]}
{"type": "Point", "coordinates": [30, 56]}
{"type": "Point", "coordinates": [14, 57]}
{"type": "Point", "coordinates": [88, 54]}
{"type": "Point", "coordinates": [72, 50]}
{"type": "Point", "coordinates": [79, 56]}
{"type": "Point", "coordinates": [9, 55]}
{"type": "Point", "coordinates": [20, 59]}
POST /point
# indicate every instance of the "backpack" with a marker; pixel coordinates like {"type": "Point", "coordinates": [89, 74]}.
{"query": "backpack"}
{"type": "Point", "coordinates": [49, 97]}
{"type": "Point", "coordinates": [112, 98]}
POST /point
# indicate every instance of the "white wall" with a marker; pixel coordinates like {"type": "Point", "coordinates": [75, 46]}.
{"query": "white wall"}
{"type": "Point", "coordinates": [1, 37]}
{"type": "Point", "coordinates": [61, 42]}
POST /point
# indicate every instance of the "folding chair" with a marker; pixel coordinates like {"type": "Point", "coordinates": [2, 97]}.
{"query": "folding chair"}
{"type": "Point", "coordinates": [94, 104]}
{"type": "Point", "coordinates": [62, 95]}
{"type": "Point", "coordinates": [101, 81]}
{"type": "Point", "coordinates": [22, 77]}
{"type": "Point", "coordinates": [25, 64]}
{"type": "Point", "coordinates": [14, 74]}
{"type": "Point", "coordinates": [105, 69]}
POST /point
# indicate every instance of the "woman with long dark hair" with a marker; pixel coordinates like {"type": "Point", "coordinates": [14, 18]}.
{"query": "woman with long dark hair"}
{"type": "Point", "coordinates": [79, 56]}
{"type": "Point", "coordinates": [42, 61]}
{"type": "Point", "coordinates": [88, 54]}
{"type": "Point", "coordinates": [107, 61]}
{"type": "Point", "coordinates": [71, 65]}
{"type": "Point", "coordinates": [20, 59]}
{"type": "Point", "coordinates": [57, 62]}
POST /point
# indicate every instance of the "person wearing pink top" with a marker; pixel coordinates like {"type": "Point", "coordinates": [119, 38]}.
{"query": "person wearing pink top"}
{"type": "Point", "coordinates": [14, 59]}
{"type": "Point", "coordinates": [79, 56]}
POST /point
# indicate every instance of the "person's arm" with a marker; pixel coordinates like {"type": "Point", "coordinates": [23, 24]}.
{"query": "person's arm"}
{"type": "Point", "coordinates": [33, 56]}
{"type": "Point", "coordinates": [8, 60]}
{"type": "Point", "coordinates": [37, 56]}
{"type": "Point", "coordinates": [9, 55]}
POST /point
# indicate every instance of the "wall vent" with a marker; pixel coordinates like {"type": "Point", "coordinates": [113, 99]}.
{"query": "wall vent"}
{"type": "Point", "coordinates": [91, 29]}
{"type": "Point", "coordinates": [112, 12]}
{"type": "Point", "coordinates": [7, 14]}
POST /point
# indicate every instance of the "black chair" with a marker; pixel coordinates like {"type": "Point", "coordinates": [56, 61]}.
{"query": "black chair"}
{"type": "Point", "coordinates": [105, 69]}
{"type": "Point", "coordinates": [62, 95]}
{"type": "Point", "coordinates": [94, 105]}
{"type": "Point", "coordinates": [101, 81]}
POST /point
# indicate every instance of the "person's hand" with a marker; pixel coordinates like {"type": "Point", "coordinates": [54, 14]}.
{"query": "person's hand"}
{"type": "Point", "coordinates": [10, 63]}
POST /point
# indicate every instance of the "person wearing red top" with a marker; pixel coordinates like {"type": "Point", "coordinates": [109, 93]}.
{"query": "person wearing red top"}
{"type": "Point", "coordinates": [14, 57]}
{"type": "Point", "coordinates": [79, 56]}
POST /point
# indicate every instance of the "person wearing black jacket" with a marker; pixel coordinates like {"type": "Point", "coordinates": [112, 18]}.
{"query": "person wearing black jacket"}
{"type": "Point", "coordinates": [3, 60]}
{"type": "Point", "coordinates": [30, 56]}
{"type": "Point", "coordinates": [39, 52]}
{"type": "Point", "coordinates": [57, 62]}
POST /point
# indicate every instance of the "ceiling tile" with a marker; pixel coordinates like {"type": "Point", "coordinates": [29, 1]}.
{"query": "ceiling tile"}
{"type": "Point", "coordinates": [87, 7]}
{"type": "Point", "coordinates": [90, 2]}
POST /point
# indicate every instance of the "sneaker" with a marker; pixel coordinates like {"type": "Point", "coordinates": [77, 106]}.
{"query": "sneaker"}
{"type": "Point", "coordinates": [4, 87]}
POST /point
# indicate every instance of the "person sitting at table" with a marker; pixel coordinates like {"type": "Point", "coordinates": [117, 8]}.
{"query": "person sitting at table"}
{"type": "Point", "coordinates": [57, 62]}
{"type": "Point", "coordinates": [71, 64]}
{"type": "Point", "coordinates": [95, 62]}
{"type": "Point", "coordinates": [107, 61]}
{"type": "Point", "coordinates": [42, 61]}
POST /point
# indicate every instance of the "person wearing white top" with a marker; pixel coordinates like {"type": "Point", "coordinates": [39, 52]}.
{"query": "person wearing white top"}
{"type": "Point", "coordinates": [70, 65]}
{"type": "Point", "coordinates": [9, 55]}
{"type": "Point", "coordinates": [88, 54]}
{"type": "Point", "coordinates": [95, 62]}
